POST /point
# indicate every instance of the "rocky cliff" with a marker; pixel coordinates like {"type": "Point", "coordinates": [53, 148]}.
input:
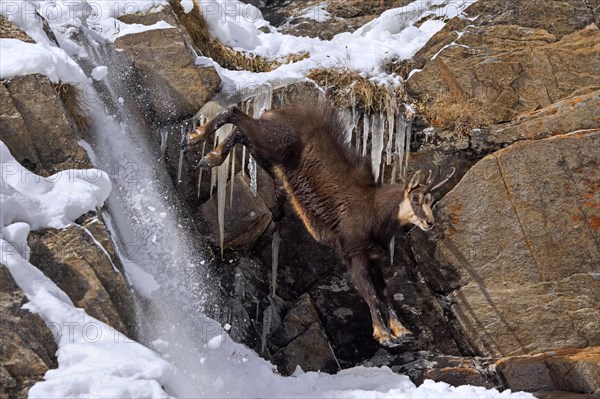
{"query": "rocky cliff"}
{"type": "Point", "coordinates": [509, 94]}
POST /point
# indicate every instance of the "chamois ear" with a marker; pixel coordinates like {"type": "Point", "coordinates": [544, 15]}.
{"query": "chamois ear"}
{"type": "Point", "coordinates": [414, 181]}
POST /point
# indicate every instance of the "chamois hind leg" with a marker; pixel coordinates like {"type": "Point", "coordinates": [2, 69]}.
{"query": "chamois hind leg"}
{"type": "Point", "coordinates": [231, 115]}
{"type": "Point", "coordinates": [217, 156]}
{"type": "Point", "coordinates": [359, 272]}
{"type": "Point", "coordinates": [400, 333]}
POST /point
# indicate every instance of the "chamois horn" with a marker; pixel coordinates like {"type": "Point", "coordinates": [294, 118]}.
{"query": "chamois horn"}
{"type": "Point", "coordinates": [432, 188]}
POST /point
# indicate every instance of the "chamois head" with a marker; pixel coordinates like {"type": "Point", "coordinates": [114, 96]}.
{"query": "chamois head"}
{"type": "Point", "coordinates": [415, 207]}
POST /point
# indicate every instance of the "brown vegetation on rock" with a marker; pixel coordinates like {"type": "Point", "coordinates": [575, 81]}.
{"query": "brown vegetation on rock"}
{"type": "Point", "coordinates": [345, 88]}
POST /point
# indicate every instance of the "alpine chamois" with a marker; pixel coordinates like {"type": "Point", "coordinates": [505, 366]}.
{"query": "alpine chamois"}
{"type": "Point", "coordinates": [333, 191]}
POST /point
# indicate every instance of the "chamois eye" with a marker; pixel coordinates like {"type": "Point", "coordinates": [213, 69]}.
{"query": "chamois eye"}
{"type": "Point", "coordinates": [415, 200]}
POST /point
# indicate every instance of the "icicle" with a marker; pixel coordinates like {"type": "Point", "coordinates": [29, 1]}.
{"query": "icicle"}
{"type": "Point", "coordinates": [357, 115]}
{"type": "Point", "coordinates": [393, 174]}
{"type": "Point", "coordinates": [232, 178]}
{"type": "Point", "coordinates": [400, 143]}
{"type": "Point", "coordinates": [164, 136]}
{"type": "Point", "coordinates": [213, 171]}
{"type": "Point", "coordinates": [377, 144]}
{"type": "Point", "coordinates": [274, 261]}
{"type": "Point", "coordinates": [409, 123]}
{"type": "Point", "coordinates": [200, 171]}
{"type": "Point", "coordinates": [239, 286]}
{"type": "Point", "coordinates": [390, 136]}
{"type": "Point", "coordinates": [181, 151]}
{"type": "Point", "coordinates": [222, 175]}
{"type": "Point", "coordinates": [365, 136]}
{"type": "Point", "coordinates": [392, 248]}
{"type": "Point", "coordinates": [348, 120]}
{"type": "Point", "coordinates": [266, 327]}
{"type": "Point", "coordinates": [252, 171]}
{"type": "Point", "coordinates": [243, 158]}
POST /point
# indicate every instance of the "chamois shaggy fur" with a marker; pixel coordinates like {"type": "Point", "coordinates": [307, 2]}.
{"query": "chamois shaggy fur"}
{"type": "Point", "coordinates": [333, 191]}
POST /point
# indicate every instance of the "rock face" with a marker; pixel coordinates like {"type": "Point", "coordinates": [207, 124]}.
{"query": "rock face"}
{"type": "Point", "coordinates": [572, 370]}
{"type": "Point", "coordinates": [558, 17]}
{"type": "Point", "coordinates": [35, 127]}
{"type": "Point", "coordinates": [87, 273]}
{"type": "Point", "coordinates": [245, 223]}
{"type": "Point", "coordinates": [27, 347]}
{"type": "Point", "coordinates": [303, 340]}
{"type": "Point", "coordinates": [508, 69]}
{"type": "Point", "coordinates": [579, 112]}
{"type": "Point", "coordinates": [517, 247]}
{"type": "Point", "coordinates": [178, 87]}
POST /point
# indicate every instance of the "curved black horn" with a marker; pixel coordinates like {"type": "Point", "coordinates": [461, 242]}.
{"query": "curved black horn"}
{"type": "Point", "coordinates": [444, 181]}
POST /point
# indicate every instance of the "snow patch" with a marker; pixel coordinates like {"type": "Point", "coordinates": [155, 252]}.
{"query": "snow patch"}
{"type": "Point", "coordinates": [131, 29]}
{"type": "Point", "coordinates": [187, 5]}
{"type": "Point", "coordinates": [20, 58]}
{"type": "Point", "coordinates": [317, 13]}
{"type": "Point", "coordinates": [99, 72]}
{"type": "Point", "coordinates": [53, 201]}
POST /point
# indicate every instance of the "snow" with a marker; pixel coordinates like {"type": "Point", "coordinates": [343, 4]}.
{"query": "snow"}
{"type": "Point", "coordinates": [20, 58]}
{"type": "Point", "coordinates": [130, 29]}
{"type": "Point", "coordinates": [317, 13]}
{"type": "Point", "coordinates": [187, 5]}
{"type": "Point", "coordinates": [52, 201]}
{"type": "Point", "coordinates": [99, 72]}
{"type": "Point", "coordinates": [237, 25]}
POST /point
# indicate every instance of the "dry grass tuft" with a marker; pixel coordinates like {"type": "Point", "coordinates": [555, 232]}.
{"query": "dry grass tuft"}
{"type": "Point", "coordinates": [73, 102]}
{"type": "Point", "coordinates": [10, 31]}
{"type": "Point", "coordinates": [197, 27]}
{"type": "Point", "coordinates": [455, 113]}
{"type": "Point", "coordinates": [343, 87]}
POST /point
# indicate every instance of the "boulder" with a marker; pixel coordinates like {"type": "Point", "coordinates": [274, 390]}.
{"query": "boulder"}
{"type": "Point", "coordinates": [558, 17]}
{"type": "Point", "coordinates": [37, 127]}
{"type": "Point", "coordinates": [501, 71]}
{"type": "Point", "coordinates": [177, 87]}
{"type": "Point", "coordinates": [515, 251]}
{"type": "Point", "coordinates": [27, 347]}
{"type": "Point", "coordinates": [111, 273]}
{"type": "Point", "coordinates": [245, 222]}
{"type": "Point", "coordinates": [570, 370]}
{"type": "Point", "coordinates": [579, 112]}
{"type": "Point", "coordinates": [306, 344]}
{"type": "Point", "coordinates": [81, 267]}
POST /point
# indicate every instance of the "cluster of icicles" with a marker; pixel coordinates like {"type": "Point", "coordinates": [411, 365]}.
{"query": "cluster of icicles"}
{"type": "Point", "coordinates": [383, 135]}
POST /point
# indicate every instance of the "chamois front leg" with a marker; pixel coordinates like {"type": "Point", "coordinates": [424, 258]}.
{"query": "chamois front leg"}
{"type": "Point", "coordinates": [202, 133]}
{"type": "Point", "coordinates": [359, 272]}
{"type": "Point", "coordinates": [217, 156]}
{"type": "Point", "coordinates": [400, 333]}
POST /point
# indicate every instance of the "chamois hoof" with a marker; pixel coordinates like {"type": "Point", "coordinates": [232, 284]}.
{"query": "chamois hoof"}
{"type": "Point", "coordinates": [405, 339]}
{"type": "Point", "coordinates": [210, 160]}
